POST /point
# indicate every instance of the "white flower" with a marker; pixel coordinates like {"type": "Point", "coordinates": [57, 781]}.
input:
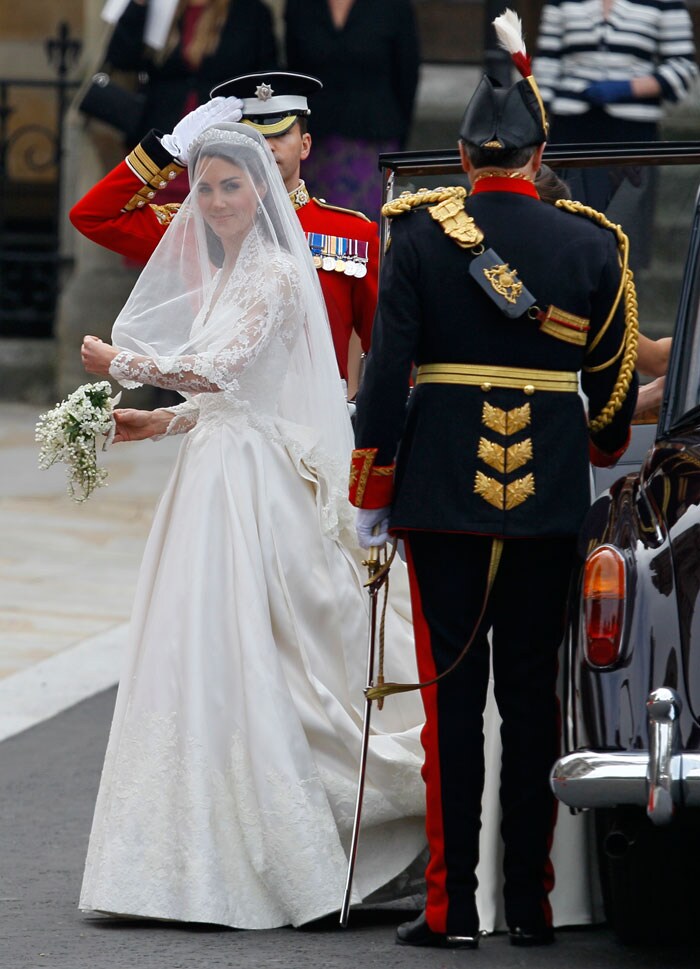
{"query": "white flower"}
{"type": "Point", "coordinates": [68, 432]}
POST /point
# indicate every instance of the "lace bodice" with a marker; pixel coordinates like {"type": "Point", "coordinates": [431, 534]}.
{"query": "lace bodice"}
{"type": "Point", "coordinates": [261, 312]}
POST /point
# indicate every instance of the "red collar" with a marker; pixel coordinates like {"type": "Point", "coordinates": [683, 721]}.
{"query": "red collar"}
{"type": "Point", "coordinates": [501, 183]}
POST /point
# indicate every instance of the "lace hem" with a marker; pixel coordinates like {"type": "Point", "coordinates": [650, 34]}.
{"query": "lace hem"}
{"type": "Point", "coordinates": [166, 808]}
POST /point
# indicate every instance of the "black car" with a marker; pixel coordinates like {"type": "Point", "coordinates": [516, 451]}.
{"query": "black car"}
{"type": "Point", "coordinates": [632, 660]}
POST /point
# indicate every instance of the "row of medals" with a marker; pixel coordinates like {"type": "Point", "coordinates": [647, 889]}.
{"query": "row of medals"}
{"type": "Point", "coordinates": [351, 267]}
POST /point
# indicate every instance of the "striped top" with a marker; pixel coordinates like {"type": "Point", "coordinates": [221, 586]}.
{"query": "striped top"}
{"type": "Point", "coordinates": [577, 46]}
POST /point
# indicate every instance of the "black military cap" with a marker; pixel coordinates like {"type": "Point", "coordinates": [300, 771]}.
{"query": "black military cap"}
{"type": "Point", "coordinates": [499, 117]}
{"type": "Point", "coordinates": [272, 102]}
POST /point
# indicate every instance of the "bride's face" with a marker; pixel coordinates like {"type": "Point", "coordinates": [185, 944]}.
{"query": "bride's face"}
{"type": "Point", "coordinates": [227, 198]}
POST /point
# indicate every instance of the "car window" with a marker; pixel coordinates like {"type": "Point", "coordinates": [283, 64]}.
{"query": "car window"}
{"type": "Point", "coordinates": [682, 401]}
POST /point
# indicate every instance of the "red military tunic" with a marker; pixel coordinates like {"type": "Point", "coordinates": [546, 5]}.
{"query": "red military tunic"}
{"type": "Point", "coordinates": [121, 213]}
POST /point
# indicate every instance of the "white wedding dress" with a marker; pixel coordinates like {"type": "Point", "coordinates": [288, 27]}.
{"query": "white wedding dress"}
{"type": "Point", "coordinates": [229, 784]}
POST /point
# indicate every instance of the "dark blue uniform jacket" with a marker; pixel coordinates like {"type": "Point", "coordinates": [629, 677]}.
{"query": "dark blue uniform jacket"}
{"type": "Point", "coordinates": [430, 310]}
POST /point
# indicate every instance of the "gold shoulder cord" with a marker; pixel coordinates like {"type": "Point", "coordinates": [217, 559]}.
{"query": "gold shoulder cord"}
{"type": "Point", "coordinates": [628, 347]}
{"type": "Point", "coordinates": [424, 196]}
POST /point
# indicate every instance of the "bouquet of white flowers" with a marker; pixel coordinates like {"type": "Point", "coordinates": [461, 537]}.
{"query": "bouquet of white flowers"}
{"type": "Point", "coordinates": [69, 431]}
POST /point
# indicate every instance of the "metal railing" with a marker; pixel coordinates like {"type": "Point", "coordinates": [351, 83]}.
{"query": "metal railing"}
{"type": "Point", "coordinates": [29, 205]}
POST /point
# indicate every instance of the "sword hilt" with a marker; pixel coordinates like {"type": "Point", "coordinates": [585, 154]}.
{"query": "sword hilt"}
{"type": "Point", "coordinates": [372, 562]}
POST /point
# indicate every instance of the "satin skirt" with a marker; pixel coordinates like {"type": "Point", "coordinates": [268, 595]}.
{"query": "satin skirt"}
{"type": "Point", "coordinates": [228, 789]}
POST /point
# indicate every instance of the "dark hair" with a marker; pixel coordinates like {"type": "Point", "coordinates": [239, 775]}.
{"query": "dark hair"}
{"type": "Point", "coordinates": [303, 122]}
{"type": "Point", "coordinates": [240, 154]}
{"type": "Point", "coordinates": [550, 187]}
{"type": "Point", "coordinates": [498, 157]}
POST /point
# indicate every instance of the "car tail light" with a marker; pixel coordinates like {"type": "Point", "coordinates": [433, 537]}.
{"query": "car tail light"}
{"type": "Point", "coordinates": [604, 605]}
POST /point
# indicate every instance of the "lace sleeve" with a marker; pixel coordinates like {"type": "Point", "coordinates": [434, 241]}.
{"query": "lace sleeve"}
{"type": "Point", "coordinates": [184, 418]}
{"type": "Point", "coordinates": [212, 371]}
{"type": "Point", "coordinates": [180, 373]}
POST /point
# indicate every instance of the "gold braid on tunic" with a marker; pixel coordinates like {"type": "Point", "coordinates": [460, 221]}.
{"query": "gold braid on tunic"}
{"type": "Point", "coordinates": [628, 347]}
{"type": "Point", "coordinates": [424, 196]}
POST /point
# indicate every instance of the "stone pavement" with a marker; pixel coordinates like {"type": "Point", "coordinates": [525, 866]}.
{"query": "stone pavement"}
{"type": "Point", "coordinates": [67, 570]}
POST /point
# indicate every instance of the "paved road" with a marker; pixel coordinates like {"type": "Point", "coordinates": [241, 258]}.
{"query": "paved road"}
{"type": "Point", "coordinates": [48, 782]}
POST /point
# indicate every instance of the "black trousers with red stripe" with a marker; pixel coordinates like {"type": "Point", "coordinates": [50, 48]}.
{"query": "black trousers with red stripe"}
{"type": "Point", "coordinates": [526, 615]}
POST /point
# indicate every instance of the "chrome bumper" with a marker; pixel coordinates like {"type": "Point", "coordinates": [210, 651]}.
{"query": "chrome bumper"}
{"type": "Point", "coordinates": [659, 779]}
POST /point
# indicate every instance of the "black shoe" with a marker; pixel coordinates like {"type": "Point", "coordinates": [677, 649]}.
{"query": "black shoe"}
{"type": "Point", "coordinates": [520, 936]}
{"type": "Point", "coordinates": [419, 932]}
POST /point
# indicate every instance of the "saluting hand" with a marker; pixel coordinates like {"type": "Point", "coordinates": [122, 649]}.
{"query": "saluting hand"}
{"type": "Point", "coordinates": [207, 115]}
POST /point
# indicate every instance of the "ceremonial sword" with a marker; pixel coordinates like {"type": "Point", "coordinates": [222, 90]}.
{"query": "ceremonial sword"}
{"type": "Point", "coordinates": [377, 575]}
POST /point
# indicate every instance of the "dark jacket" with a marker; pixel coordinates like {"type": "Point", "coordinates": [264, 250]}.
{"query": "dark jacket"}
{"type": "Point", "coordinates": [431, 311]}
{"type": "Point", "coordinates": [369, 69]}
{"type": "Point", "coordinates": [247, 45]}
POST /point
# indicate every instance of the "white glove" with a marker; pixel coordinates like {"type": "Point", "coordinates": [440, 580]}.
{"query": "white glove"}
{"type": "Point", "coordinates": [365, 523]}
{"type": "Point", "coordinates": [193, 124]}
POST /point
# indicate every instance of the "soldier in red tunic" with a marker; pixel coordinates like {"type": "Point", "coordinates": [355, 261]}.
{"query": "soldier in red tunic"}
{"type": "Point", "coordinates": [122, 212]}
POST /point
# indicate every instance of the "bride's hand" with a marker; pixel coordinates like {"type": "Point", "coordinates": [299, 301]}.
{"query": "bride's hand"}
{"type": "Point", "coordinates": [138, 425]}
{"type": "Point", "coordinates": [97, 355]}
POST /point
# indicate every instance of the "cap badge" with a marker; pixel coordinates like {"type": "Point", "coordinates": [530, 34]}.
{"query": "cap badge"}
{"type": "Point", "coordinates": [263, 92]}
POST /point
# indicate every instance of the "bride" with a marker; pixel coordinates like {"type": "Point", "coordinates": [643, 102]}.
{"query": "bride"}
{"type": "Point", "coordinates": [228, 789]}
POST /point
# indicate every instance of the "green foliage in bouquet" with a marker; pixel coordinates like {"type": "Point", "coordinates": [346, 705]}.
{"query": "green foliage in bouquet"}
{"type": "Point", "coordinates": [68, 433]}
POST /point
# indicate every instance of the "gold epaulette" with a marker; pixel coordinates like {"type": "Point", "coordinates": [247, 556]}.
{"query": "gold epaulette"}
{"type": "Point", "coordinates": [148, 171]}
{"type": "Point", "coordinates": [339, 208]}
{"type": "Point", "coordinates": [627, 350]}
{"type": "Point", "coordinates": [424, 196]}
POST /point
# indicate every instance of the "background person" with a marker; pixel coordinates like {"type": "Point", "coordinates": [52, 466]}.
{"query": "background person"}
{"type": "Point", "coordinates": [124, 211]}
{"type": "Point", "coordinates": [367, 56]}
{"type": "Point", "coordinates": [605, 69]}
{"type": "Point", "coordinates": [349, 283]}
{"type": "Point", "coordinates": [208, 40]}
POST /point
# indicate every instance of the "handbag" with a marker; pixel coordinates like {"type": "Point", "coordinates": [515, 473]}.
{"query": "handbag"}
{"type": "Point", "coordinates": [112, 104]}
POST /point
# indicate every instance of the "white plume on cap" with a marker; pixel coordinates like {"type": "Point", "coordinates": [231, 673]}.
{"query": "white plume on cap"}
{"type": "Point", "coordinates": [509, 31]}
